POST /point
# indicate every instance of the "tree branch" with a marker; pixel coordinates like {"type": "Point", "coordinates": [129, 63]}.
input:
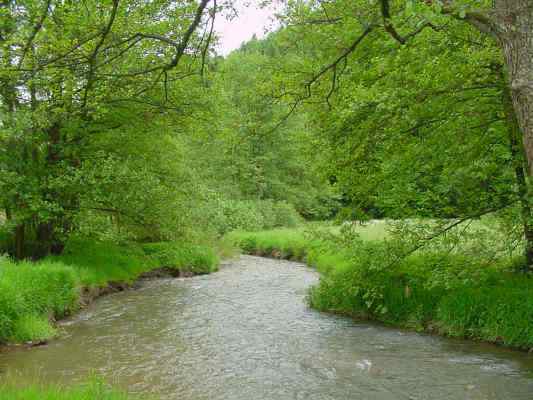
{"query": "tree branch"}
{"type": "Point", "coordinates": [94, 54]}
{"type": "Point", "coordinates": [180, 49]}
{"type": "Point", "coordinates": [34, 33]}
{"type": "Point", "coordinates": [389, 26]}
{"type": "Point", "coordinates": [340, 58]}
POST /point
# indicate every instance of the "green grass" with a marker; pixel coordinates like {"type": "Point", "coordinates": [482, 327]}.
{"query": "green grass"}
{"type": "Point", "coordinates": [452, 293]}
{"type": "Point", "coordinates": [31, 295]}
{"type": "Point", "coordinates": [34, 295]}
{"type": "Point", "coordinates": [184, 257]}
{"type": "Point", "coordinates": [91, 391]}
{"type": "Point", "coordinates": [291, 244]}
{"type": "Point", "coordinates": [98, 263]}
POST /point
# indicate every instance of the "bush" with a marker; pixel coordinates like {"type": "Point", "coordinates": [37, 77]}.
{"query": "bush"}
{"type": "Point", "coordinates": [250, 215]}
{"type": "Point", "coordinates": [285, 215]}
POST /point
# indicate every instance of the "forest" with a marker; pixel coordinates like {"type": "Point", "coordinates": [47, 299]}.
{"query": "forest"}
{"type": "Point", "coordinates": [388, 144]}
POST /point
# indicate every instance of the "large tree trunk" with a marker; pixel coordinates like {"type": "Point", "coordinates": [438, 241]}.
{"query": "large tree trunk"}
{"type": "Point", "coordinates": [515, 32]}
{"type": "Point", "coordinates": [20, 241]}
{"type": "Point", "coordinates": [520, 168]}
{"type": "Point", "coordinates": [513, 26]}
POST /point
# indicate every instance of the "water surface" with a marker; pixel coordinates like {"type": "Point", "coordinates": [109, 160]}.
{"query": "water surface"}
{"type": "Point", "coordinates": [245, 333]}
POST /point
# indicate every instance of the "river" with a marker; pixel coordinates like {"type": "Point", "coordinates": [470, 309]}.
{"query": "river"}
{"type": "Point", "coordinates": [246, 333]}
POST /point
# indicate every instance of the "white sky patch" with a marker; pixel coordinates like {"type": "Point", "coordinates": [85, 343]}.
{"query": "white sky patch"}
{"type": "Point", "coordinates": [251, 19]}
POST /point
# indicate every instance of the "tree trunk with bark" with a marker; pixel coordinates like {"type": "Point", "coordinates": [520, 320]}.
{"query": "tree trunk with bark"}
{"type": "Point", "coordinates": [520, 168]}
{"type": "Point", "coordinates": [514, 19]}
{"type": "Point", "coordinates": [512, 24]}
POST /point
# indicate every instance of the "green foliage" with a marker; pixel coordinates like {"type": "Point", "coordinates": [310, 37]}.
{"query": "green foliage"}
{"type": "Point", "coordinates": [184, 257]}
{"type": "Point", "coordinates": [250, 215]}
{"type": "Point", "coordinates": [499, 314]}
{"type": "Point", "coordinates": [32, 328]}
{"type": "Point", "coordinates": [284, 243]}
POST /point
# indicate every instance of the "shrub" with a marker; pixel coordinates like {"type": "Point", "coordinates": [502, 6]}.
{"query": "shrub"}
{"type": "Point", "coordinates": [250, 215]}
{"type": "Point", "coordinates": [285, 215]}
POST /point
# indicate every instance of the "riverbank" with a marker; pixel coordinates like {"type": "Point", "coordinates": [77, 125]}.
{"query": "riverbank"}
{"type": "Point", "coordinates": [35, 295]}
{"type": "Point", "coordinates": [91, 391]}
{"type": "Point", "coordinates": [245, 333]}
{"type": "Point", "coordinates": [450, 294]}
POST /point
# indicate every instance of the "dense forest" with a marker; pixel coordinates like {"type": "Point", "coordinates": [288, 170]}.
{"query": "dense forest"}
{"type": "Point", "coordinates": [120, 125]}
{"type": "Point", "coordinates": [119, 119]}
{"type": "Point", "coordinates": [140, 131]}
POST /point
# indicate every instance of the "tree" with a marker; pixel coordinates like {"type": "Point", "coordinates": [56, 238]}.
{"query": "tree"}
{"type": "Point", "coordinates": [68, 70]}
{"type": "Point", "coordinates": [507, 23]}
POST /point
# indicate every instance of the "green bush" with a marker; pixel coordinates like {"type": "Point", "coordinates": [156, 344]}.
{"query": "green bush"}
{"type": "Point", "coordinates": [239, 215]}
{"type": "Point", "coordinates": [250, 215]}
{"type": "Point", "coordinates": [184, 257]}
{"type": "Point", "coordinates": [285, 215]}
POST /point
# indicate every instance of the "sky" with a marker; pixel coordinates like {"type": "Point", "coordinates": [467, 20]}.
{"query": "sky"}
{"type": "Point", "coordinates": [251, 20]}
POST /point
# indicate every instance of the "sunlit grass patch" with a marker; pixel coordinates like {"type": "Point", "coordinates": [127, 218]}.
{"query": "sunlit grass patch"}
{"type": "Point", "coordinates": [184, 257]}
{"type": "Point", "coordinates": [95, 390]}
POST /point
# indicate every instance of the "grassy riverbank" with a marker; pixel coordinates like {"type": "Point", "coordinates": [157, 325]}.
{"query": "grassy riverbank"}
{"type": "Point", "coordinates": [34, 295]}
{"type": "Point", "coordinates": [92, 391]}
{"type": "Point", "coordinates": [448, 292]}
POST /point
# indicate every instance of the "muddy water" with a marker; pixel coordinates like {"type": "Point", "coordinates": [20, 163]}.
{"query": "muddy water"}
{"type": "Point", "coordinates": [245, 333]}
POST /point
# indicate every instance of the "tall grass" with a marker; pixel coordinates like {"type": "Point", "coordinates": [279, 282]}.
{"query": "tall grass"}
{"type": "Point", "coordinates": [92, 391]}
{"type": "Point", "coordinates": [31, 295]}
{"type": "Point", "coordinates": [184, 257]}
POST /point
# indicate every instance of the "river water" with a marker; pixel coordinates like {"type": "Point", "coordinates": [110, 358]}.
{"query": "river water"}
{"type": "Point", "coordinates": [245, 333]}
